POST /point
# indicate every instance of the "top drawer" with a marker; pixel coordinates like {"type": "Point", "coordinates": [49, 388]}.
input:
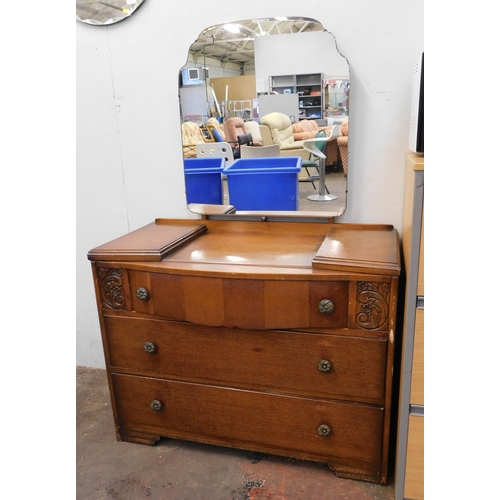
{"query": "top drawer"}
{"type": "Point", "coordinates": [254, 304]}
{"type": "Point", "coordinates": [242, 303]}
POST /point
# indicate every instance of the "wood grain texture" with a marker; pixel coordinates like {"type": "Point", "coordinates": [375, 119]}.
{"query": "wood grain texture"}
{"type": "Point", "coordinates": [284, 361]}
{"type": "Point", "coordinates": [219, 415]}
{"type": "Point", "coordinates": [227, 334]}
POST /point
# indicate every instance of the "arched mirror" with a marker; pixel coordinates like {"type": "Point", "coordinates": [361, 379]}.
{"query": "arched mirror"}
{"type": "Point", "coordinates": [105, 13]}
{"type": "Point", "coordinates": [253, 94]}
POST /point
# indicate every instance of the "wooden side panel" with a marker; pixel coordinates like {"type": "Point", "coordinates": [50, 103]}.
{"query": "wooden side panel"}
{"type": "Point", "coordinates": [414, 481]}
{"type": "Point", "coordinates": [417, 378]}
{"type": "Point", "coordinates": [420, 285]}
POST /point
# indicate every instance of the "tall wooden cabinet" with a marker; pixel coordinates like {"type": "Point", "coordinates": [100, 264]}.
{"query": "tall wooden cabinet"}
{"type": "Point", "coordinates": [275, 337]}
{"type": "Point", "coordinates": [410, 447]}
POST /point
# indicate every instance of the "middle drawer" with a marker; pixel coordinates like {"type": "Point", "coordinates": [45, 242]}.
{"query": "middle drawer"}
{"type": "Point", "coordinates": [340, 366]}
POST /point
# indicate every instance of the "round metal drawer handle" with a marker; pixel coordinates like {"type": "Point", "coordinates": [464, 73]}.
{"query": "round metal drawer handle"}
{"type": "Point", "coordinates": [156, 405]}
{"type": "Point", "coordinates": [325, 366]}
{"type": "Point", "coordinates": [149, 347]}
{"type": "Point", "coordinates": [326, 306]}
{"type": "Point", "coordinates": [324, 430]}
{"type": "Point", "coordinates": [142, 293]}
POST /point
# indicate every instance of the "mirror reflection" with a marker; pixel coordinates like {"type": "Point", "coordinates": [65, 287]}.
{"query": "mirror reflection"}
{"type": "Point", "coordinates": [264, 108]}
{"type": "Point", "coordinates": [105, 13]}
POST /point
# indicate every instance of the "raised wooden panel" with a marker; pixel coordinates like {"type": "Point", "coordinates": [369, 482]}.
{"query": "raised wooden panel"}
{"type": "Point", "coordinates": [417, 378]}
{"type": "Point", "coordinates": [414, 481]}
{"type": "Point", "coordinates": [420, 283]}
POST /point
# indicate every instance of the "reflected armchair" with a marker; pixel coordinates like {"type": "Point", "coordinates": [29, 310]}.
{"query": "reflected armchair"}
{"type": "Point", "coordinates": [276, 128]}
{"type": "Point", "coordinates": [234, 127]}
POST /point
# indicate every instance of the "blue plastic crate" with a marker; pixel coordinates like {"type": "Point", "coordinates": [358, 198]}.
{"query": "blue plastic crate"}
{"type": "Point", "coordinates": [264, 183]}
{"type": "Point", "coordinates": [203, 177]}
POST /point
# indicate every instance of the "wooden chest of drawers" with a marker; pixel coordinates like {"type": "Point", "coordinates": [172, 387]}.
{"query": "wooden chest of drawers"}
{"type": "Point", "coordinates": [269, 336]}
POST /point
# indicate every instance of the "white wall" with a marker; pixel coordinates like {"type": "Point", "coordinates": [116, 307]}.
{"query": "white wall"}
{"type": "Point", "coordinates": [129, 156]}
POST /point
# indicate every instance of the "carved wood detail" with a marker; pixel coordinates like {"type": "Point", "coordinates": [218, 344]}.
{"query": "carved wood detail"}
{"type": "Point", "coordinates": [372, 306]}
{"type": "Point", "coordinates": [111, 284]}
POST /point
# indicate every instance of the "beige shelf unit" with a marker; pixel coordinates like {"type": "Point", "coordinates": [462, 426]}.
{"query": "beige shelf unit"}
{"type": "Point", "coordinates": [410, 444]}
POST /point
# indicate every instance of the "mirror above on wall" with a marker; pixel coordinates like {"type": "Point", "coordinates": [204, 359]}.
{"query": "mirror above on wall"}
{"type": "Point", "coordinates": [105, 13]}
{"type": "Point", "coordinates": [253, 94]}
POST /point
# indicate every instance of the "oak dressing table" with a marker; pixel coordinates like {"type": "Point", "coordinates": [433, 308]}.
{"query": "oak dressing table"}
{"type": "Point", "coordinates": [275, 337]}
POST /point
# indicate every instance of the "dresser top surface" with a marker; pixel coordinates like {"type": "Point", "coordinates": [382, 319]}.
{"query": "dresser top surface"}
{"type": "Point", "coordinates": [180, 243]}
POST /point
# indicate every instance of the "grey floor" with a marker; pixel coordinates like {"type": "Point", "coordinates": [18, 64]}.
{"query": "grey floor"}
{"type": "Point", "coordinates": [181, 470]}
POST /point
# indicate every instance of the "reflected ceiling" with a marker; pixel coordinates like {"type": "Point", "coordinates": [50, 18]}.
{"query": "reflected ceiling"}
{"type": "Point", "coordinates": [234, 42]}
{"type": "Point", "coordinates": [105, 12]}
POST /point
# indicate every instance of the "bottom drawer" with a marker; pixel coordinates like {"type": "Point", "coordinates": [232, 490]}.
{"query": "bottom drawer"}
{"type": "Point", "coordinates": [314, 429]}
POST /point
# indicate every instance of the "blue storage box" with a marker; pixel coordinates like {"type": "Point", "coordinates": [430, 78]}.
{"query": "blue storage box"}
{"type": "Point", "coordinates": [264, 183]}
{"type": "Point", "coordinates": [203, 177]}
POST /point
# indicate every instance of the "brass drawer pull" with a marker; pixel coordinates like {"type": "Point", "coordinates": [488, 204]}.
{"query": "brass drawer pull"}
{"type": "Point", "coordinates": [325, 366]}
{"type": "Point", "coordinates": [142, 293]}
{"type": "Point", "coordinates": [150, 348]}
{"type": "Point", "coordinates": [324, 430]}
{"type": "Point", "coordinates": [326, 306]}
{"type": "Point", "coordinates": [156, 405]}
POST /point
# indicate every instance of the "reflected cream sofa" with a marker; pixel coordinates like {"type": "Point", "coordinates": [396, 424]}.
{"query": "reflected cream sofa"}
{"type": "Point", "coordinates": [276, 128]}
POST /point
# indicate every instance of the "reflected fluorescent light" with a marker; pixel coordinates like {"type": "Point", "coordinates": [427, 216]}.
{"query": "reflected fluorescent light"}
{"type": "Point", "coordinates": [235, 258]}
{"type": "Point", "coordinates": [233, 28]}
{"type": "Point", "coordinates": [282, 19]}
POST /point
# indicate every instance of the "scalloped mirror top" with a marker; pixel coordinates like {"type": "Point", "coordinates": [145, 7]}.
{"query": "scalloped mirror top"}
{"type": "Point", "coordinates": [253, 94]}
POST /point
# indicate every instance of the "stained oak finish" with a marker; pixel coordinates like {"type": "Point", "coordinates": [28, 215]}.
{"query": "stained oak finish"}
{"type": "Point", "coordinates": [267, 336]}
{"type": "Point", "coordinates": [231, 355]}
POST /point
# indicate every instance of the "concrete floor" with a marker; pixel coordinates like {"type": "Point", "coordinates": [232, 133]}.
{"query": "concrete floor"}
{"type": "Point", "coordinates": [180, 470]}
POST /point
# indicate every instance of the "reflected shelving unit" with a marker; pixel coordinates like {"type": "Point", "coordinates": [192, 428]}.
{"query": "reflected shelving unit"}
{"type": "Point", "coordinates": [308, 87]}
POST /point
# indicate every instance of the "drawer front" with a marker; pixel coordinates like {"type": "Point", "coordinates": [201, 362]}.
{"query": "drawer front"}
{"type": "Point", "coordinates": [252, 420]}
{"type": "Point", "coordinates": [305, 363]}
{"type": "Point", "coordinates": [414, 477]}
{"type": "Point", "coordinates": [417, 373]}
{"type": "Point", "coordinates": [242, 303]}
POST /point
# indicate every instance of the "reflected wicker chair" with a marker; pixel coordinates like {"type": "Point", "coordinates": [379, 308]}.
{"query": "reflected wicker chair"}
{"type": "Point", "coordinates": [191, 136]}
